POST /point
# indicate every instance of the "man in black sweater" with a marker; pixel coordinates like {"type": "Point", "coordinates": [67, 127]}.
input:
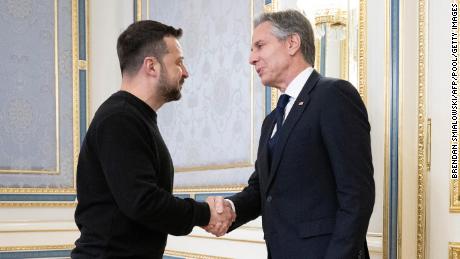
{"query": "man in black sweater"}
{"type": "Point", "coordinates": [125, 174]}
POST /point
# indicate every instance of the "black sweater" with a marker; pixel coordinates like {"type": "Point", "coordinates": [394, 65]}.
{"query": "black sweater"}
{"type": "Point", "coordinates": [124, 184]}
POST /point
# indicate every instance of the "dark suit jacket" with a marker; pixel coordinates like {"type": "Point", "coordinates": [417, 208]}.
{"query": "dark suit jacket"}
{"type": "Point", "coordinates": [316, 195]}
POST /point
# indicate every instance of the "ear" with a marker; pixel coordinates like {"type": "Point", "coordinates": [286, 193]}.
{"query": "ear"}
{"type": "Point", "coordinates": [293, 43]}
{"type": "Point", "coordinates": [151, 66]}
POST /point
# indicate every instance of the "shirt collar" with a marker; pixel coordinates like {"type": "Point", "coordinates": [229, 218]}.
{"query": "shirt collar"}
{"type": "Point", "coordinates": [296, 85]}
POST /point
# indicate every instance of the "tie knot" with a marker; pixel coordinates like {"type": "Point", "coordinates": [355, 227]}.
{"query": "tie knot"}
{"type": "Point", "coordinates": [283, 101]}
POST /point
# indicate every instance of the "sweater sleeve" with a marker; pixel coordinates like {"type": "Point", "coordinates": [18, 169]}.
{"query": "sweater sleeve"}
{"type": "Point", "coordinates": [128, 162]}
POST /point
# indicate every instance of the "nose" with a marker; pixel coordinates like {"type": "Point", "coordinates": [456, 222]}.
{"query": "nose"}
{"type": "Point", "coordinates": [185, 73]}
{"type": "Point", "coordinates": [252, 58]}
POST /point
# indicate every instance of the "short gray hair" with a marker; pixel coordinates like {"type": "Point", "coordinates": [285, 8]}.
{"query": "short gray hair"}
{"type": "Point", "coordinates": [287, 23]}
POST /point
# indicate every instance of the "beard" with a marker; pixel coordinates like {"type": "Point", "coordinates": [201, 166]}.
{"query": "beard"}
{"type": "Point", "coordinates": [170, 91]}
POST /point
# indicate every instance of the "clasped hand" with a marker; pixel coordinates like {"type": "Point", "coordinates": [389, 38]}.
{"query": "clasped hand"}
{"type": "Point", "coordinates": [222, 216]}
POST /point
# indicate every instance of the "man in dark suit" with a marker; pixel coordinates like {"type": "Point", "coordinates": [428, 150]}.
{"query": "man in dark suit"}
{"type": "Point", "coordinates": [313, 180]}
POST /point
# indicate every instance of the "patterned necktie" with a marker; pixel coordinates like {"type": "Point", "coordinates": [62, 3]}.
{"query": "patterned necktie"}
{"type": "Point", "coordinates": [279, 116]}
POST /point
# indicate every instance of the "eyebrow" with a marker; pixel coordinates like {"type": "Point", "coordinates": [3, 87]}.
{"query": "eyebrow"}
{"type": "Point", "coordinates": [257, 42]}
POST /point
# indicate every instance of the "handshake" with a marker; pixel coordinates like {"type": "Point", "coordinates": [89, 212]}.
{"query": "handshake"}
{"type": "Point", "coordinates": [222, 216]}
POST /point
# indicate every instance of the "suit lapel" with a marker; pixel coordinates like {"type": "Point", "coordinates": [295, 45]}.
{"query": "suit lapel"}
{"type": "Point", "coordinates": [294, 115]}
{"type": "Point", "coordinates": [263, 156]}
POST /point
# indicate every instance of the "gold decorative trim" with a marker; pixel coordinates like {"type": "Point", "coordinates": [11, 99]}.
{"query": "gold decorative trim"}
{"type": "Point", "coordinates": [76, 132]}
{"type": "Point", "coordinates": [35, 248]}
{"type": "Point", "coordinates": [75, 86]}
{"type": "Point", "coordinates": [212, 167]}
{"type": "Point", "coordinates": [421, 136]}
{"type": "Point", "coordinates": [59, 204]}
{"type": "Point", "coordinates": [428, 144]}
{"type": "Point", "coordinates": [147, 12]}
{"type": "Point", "coordinates": [22, 204]}
{"type": "Point", "coordinates": [21, 171]}
{"type": "Point", "coordinates": [317, 54]}
{"type": "Point", "coordinates": [274, 97]}
{"type": "Point", "coordinates": [230, 188]}
{"type": "Point", "coordinates": [188, 255]}
{"type": "Point", "coordinates": [228, 239]}
{"type": "Point", "coordinates": [82, 65]}
{"type": "Point", "coordinates": [454, 250]}
{"type": "Point", "coordinates": [374, 234]}
{"type": "Point", "coordinates": [56, 77]}
{"type": "Point", "coordinates": [344, 58]}
{"type": "Point", "coordinates": [138, 10]}
{"type": "Point", "coordinates": [37, 191]}
{"type": "Point", "coordinates": [272, 7]}
{"type": "Point", "coordinates": [362, 50]}
{"type": "Point", "coordinates": [454, 196]}
{"type": "Point", "coordinates": [56, 86]}
{"type": "Point", "coordinates": [332, 16]}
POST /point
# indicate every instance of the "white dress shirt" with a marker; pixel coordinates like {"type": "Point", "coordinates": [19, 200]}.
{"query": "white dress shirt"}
{"type": "Point", "coordinates": [293, 90]}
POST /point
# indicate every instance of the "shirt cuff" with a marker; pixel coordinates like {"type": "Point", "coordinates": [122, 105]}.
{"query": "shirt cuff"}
{"type": "Point", "coordinates": [231, 204]}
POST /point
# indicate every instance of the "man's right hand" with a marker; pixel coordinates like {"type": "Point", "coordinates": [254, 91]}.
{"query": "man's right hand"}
{"type": "Point", "coordinates": [222, 216]}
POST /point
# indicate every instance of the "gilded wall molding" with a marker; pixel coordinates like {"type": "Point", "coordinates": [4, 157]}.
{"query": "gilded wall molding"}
{"type": "Point", "coordinates": [82, 64]}
{"type": "Point", "coordinates": [141, 10]}
{"type": "Point", "coordinates": [454, 250]}
{"type": "Point", "coordinates": [35, 248]}
{"type": "Point", "coordinates": [147, 12]}
{"type": "Point", "coordinates": [37, 191]}
{"type": "Point", "coordinates": [56, 77]}
{"type": "Point", "coordinates": [229, 239]}
{"type": "Point", "coordinates": [54, 171]}
{"type": "Point", "coordinates": [27, 204]}
{"type": "Point", "coordinates": [344, 58]}
{"type": "Point", "coordinates": [317, 53]}
{"type": "Point", "coordinates": [271, 7]}
{"type": "Point", "coordinates": [421, 139]}
{"type": "Point", "coordinates": [454, 196]}
{"type": "Point", "coordinates": [77, 65]}
{"type": "Point", "coordinates": [54, 204]}
{"type": "Point", "coordinates": [210, 189]}
{"type": "Point", "coordinates": [188, 255]}
{"type": "Point", "coordinates": [213, 167]}
{"type": "Point", "coordinates": [362, 50]}
{"type": "Point", "coordinates": [75, 87]}
{"type": "Point", "coordinates": [138, 10]}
